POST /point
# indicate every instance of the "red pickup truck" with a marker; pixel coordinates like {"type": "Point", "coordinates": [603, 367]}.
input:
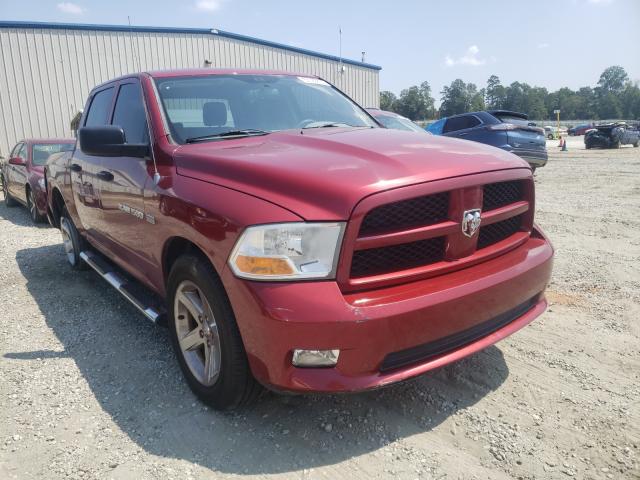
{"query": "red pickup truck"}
{"type": "Point", "coordinates": [289, 241]}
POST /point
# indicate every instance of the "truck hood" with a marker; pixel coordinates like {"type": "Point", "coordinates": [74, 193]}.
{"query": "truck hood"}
{"type": "Point", "coordinates": [321, 174]}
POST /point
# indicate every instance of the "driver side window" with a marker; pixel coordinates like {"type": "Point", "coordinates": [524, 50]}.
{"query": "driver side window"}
{"type": "Point", "coordinates": [129, 114]}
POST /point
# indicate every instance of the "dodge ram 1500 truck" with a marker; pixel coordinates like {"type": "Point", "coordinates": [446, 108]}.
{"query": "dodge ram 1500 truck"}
{"type": "Point", "coordinates": [287, 240]}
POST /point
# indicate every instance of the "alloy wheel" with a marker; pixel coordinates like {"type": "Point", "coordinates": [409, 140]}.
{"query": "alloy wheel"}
{"type": "Point", "coordinates": [197, 333]}
{"type": "Point", "coordinates": [33, 210]}
{"type": "Point", "coordinates": [67, 242]}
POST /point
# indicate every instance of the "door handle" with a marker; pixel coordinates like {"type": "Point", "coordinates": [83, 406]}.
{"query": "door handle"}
{"type": "Point", "coordinates": [74, 167]}
{"type": "Point", "coordinates": [104, 175]}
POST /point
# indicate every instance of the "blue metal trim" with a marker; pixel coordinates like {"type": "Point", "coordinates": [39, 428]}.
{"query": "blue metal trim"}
{"type": "Point", "coordinates": [201, 31]}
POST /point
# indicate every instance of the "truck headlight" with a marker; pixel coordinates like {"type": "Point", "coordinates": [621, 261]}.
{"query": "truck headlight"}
{"type": "Point", "coordinates": [288, 251]}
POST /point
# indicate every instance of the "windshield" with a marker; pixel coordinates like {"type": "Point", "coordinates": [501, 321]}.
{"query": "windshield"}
{"type": "Point", "coordinates": [207, 107]}
{"type": "Point", "coordinates": [399, 123]}
{"type": "Point", "coordinates": [41, 151]}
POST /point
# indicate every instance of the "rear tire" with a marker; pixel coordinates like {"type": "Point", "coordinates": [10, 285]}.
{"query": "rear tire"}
{"type": "Point", "coordinates": [205, 336]}
{"type": "Point", "coordinates": [32, 207]}
{"type": "Point", "coordinates": [636, 144]}
{"type": "Point", "coordinates": [72, 242]}
{"type": "Point", "coordinates": [8, 199]}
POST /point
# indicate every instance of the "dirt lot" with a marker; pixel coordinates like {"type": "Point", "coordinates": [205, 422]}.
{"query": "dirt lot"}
{"type": "Point", "coordinates": [90, 389]}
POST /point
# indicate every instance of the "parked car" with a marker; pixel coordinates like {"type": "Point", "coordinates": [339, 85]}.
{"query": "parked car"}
{"type": "Point", "coordinates": [580, 129]}
{"type": "Point", "coordinates": [395, 121]}
{"type": "Point", "coordinates": [294, 242]}
{"type": "Point", "coordinates": [510, 131]}
{"type": "Point", "coordinates": [552, 132]}
{"type": "Point", "coordinates": [22, 175]}
{"type": "Point", "coordinates": [611, 135]}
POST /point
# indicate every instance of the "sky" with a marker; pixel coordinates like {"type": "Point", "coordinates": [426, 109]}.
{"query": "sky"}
{"type": "Point", "coordinates": [547, 43]}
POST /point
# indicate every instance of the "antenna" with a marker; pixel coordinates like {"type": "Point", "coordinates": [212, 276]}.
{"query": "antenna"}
{"type": "Point", "coordinates": [340, 66]}
{"type": "Point", "coordinates": [136, 51]}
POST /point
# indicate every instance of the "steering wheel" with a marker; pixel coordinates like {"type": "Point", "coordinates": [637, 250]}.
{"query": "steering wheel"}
{"type": "Point", "coordinates": [305, 122]}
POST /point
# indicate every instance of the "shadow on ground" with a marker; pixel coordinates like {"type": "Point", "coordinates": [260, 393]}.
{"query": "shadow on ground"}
{"type": "Point", "coordinates": [132, 372]}
{"type": "Point", "coordinates": [19, 215]}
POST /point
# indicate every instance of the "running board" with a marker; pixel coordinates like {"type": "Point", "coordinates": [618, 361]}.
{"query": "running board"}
{"type": "Point", "coordinates": [139, 296]}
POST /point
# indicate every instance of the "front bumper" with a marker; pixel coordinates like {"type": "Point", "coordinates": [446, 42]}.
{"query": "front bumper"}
{"type": "Point", "coordinates": [369, 327]}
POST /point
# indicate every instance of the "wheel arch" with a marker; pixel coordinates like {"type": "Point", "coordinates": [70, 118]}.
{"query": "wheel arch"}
{"type": "Point", "coordinates": [177, 246]}
{"type": "Point", "coordinates": [56, 207]}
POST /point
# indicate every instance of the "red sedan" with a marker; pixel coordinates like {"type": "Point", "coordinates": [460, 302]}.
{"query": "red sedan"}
{"type": "Point", "coordinates": [23, 175]}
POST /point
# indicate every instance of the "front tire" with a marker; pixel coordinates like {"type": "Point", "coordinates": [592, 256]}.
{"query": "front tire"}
{"type": "Point", "coordinates": [33, 209]}
{"type": "Point", "coordinates": [205, 336]}
{"type": "Point", "coordinates": [72, 242]}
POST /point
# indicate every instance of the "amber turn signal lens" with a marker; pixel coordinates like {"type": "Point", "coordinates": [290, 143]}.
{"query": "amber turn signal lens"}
{"type": "Point", "coordinates": [263, 265]}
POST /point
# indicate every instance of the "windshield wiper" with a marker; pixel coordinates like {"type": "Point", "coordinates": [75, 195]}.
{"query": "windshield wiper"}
{"type": "Point", "coordinates": [328, 125]}
{"type": "Point", "coordinates": [247, 132]}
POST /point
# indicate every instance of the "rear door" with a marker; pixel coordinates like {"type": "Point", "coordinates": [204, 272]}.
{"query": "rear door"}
{"type": "Point", "coordinates": [123, 180]}
{"type": "Point", "coordinates": [84, 168]}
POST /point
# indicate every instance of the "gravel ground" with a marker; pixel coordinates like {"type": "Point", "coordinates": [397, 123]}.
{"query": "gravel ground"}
{"type": "Point", "coordinates": [90, 389]}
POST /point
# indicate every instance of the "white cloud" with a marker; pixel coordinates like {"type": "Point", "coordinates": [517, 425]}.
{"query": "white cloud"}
{"type": "Point", "coordinates": [208, 5]}
{"type": "Point", "coordinates": [469, 58]}
{"type": "Point", "coordinates": [543, 45]}
{"type": "Point", "coordinates": [72, 8]}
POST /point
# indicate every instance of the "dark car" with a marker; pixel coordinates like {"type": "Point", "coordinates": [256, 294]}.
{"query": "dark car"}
{"type": "Point", "coordinates": [22, 176]}
{"type": "Point", "coordinates": [579, 129]}
{"type": "Point", "coordinates": [611, 135]}
{"type": "Point", "coordinates": [394, 121]}
{"type": "Point", "coordinates": [510, 131]}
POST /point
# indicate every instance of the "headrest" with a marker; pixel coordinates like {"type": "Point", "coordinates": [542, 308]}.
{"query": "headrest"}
{"type": "Point", "coordinates": [214, 114]}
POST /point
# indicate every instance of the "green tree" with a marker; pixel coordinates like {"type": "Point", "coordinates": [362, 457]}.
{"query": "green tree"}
{"type": "Point", "coordinates": [495, 93]}
{"type": "Point", "coordinates": [609, 106]}
{"type": "Point", "coordinates": [415, 102]}
{"type": "Point", "coordinates": [429, 101]}
{"type": "Point", "coordinates": [387, 100]}
{"type": "Point", "coordinates": [613, 80]}
{"type": "Point", "coordinates": [631, 101]}
{"type": "Point", "coordinates": [460, 97]}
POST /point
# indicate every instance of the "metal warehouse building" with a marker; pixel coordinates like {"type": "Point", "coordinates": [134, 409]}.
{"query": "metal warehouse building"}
{"type": "Point", "coordinates": [47, 69]}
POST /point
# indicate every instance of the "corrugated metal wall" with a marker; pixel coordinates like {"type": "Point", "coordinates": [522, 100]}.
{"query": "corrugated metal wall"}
{"type": "Point", "coordinates": [46, 74]}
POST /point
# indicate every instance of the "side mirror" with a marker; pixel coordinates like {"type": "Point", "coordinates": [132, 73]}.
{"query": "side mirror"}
{"type": "Point", "coordinates": [18, 161]}
{"type": "Point", "coordinates": [109, 141]}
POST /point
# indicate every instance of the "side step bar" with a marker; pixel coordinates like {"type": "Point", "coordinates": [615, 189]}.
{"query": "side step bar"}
{"type": "Point", "coordinates": [136, 294]}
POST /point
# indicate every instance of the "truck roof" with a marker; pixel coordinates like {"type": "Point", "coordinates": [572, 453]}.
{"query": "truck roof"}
{"type": "Point", "coordinates": [201, 72]}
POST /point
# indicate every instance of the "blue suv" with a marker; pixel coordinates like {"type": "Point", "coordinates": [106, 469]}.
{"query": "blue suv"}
{"type": "Point", "coordinates": [510, 131]}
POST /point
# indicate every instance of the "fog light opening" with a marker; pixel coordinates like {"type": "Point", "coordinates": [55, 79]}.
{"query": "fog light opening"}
{"type": "Point", "coordinates": [315, 358]}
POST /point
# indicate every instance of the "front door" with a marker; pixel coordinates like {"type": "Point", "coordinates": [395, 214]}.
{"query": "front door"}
{"type": "Point", "coordinates": [85, 168]}
{"type": "Point", "coordinates": [17, 174]}
{"type": "Point", "coordinates": [123, 180]}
